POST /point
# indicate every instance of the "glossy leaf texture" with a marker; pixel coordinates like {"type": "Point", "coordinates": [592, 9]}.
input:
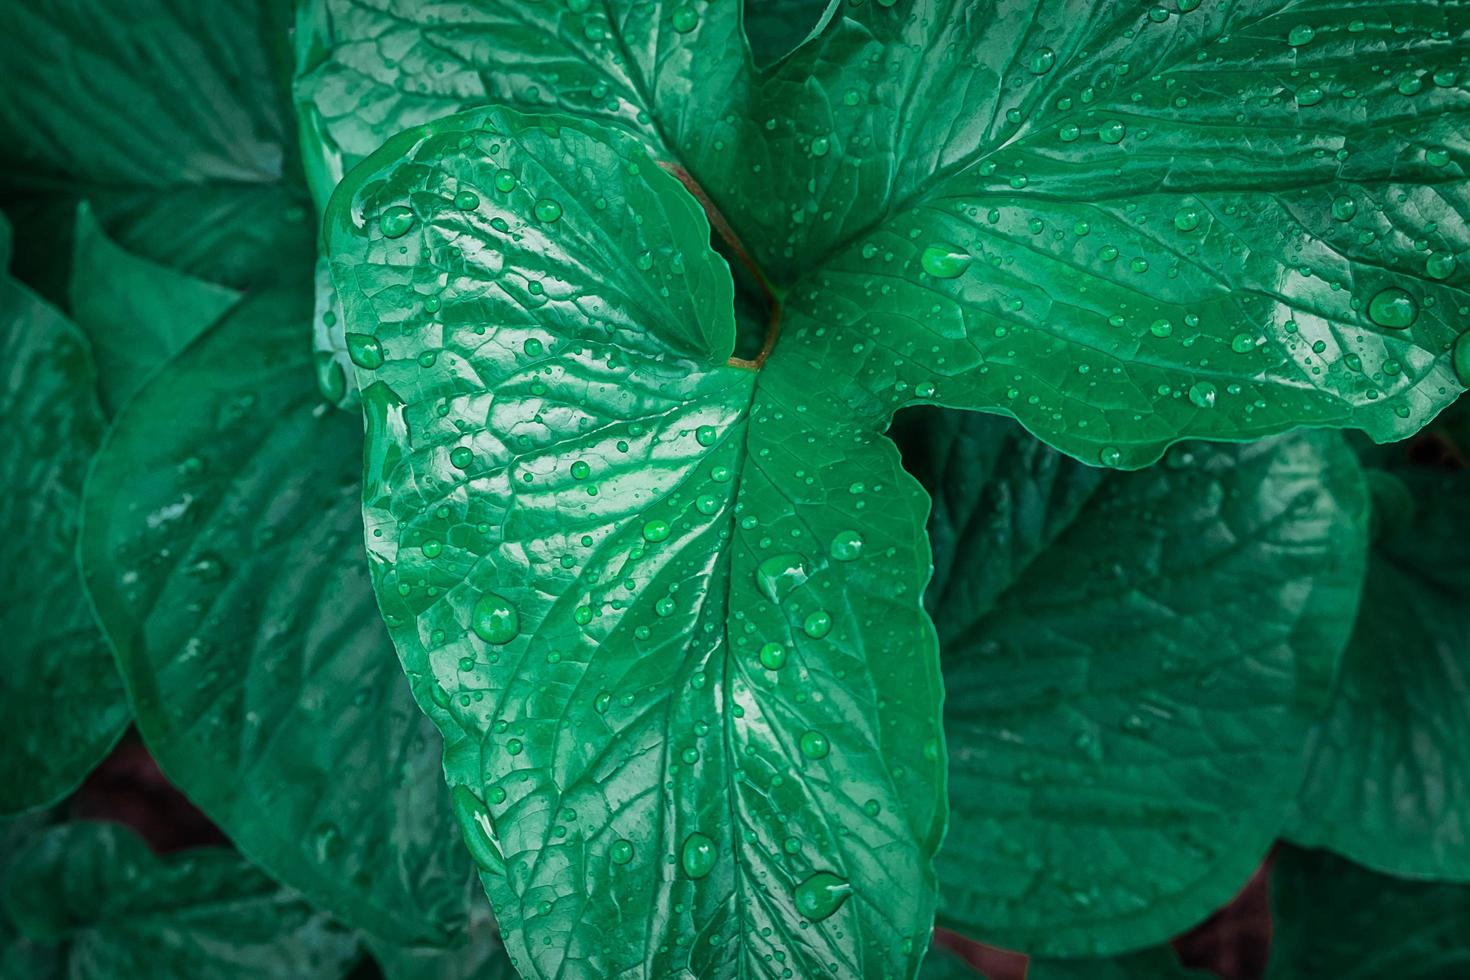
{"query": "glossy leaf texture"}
{"type": "Point", "coordinates": [1335, 919]}
{"type": "Point", "coordinates": [1122, 228]}
{"type": "Point", "coordinates": [60, 695]}
{"type": "Point", "coordinates": [1388, 777]}
{"type": "Point", "coordinates": [222, 547]}
{"type": "Point", "coordinates": [1123, 654]}
{"type": "Point", "coordinates": [92, 903]}
{"type": "Point", "coordinates": [136, 312]}
{"type": "Point", "coordinates": [666, 609]}
{"type": "Point", "coordinates": [171, 117]}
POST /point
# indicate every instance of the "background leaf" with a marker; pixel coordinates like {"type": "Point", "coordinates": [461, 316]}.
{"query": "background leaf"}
{"type": "Point", "coordinates": [1388, 777]}
{"type": "Point", "coordinates": [625, 575]}
{"type": "Point", "coordinates": [482, 958]}
{"type": "Point", "coordinates": [136, 312]}
{"type": "Point", "coordinates": [60, 695]}
{"type": "Point", "coordinates": [1122, 654]}
{"type": "Point", "coordinates": [223, 551]}
{"type": "Point", "coordinates": [1335, 919]}
{"type": "Point", "coordinates": [108, 908]}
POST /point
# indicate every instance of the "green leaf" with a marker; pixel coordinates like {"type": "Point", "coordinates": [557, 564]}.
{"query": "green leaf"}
{"type": "Point", "coordinates": [1159, 963]}
{"type": "Point", "coordinates": [222, 546]}
{"type": "Point", "coordinates": [1388, 778]}
{"type": "Point", "coordinates": [173, 119]}
{"type": "Point", "coordinates": [1123, 228]}
{"type": "Point", "coordinates": [1331, 918]}
{"type": "Point", "coordinates": [776, 27]}
{"type": "Point", "coordinates": [136, 312]}
{"type": "Point", "coordinates": [1122, 653]}
{"type": "Point", "coordinates": [111, 909]}
{"type": "Point", "coordinates": [666, 609]}
{"type": "Point", "coordinates": [941, 964]}
{"type": "Point", "coordinates": [61, 698]}
{"type": "Point", "coordinates": [482, 958]}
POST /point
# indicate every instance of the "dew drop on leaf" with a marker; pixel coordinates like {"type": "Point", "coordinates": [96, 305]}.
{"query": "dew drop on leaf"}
{"type": "Point", "coordinates": [1460, 358]}
{"type": "Point", "coordinates": [494, 619]}
{"type": "Point", "coordinates": [1393, 308]}
{"type": "Point", "coordinates": [1112, 131]}
{"type": "Point", "coordinates": [1440, 265]}
{"type": "Point", "coordinates": [698, 855]}
{"type": "Point", "coordinates": [778, 575]}
{"type": "Point", "coordinates": [814, 745]}
{"type": "Point", "coordinates": [1309, 95]}
{"type": "Point", "coordinates": [621, 852]}
{"type": "Point", "coordinates": [365, 351]}
{"type": "Point", "coordinates": [478, 830]}
{"type": "Point", "coordinates": [505, 181]}
{"type": "Point", "coordinates": [1042, 61]}
{"type": "Point", "coordinates": [847, 546]}
{"type": "Point", "coordinates": [818, 624]}
{"type": "Point", "coordinates": [773, 656]}
{"type": "Point", "coordinates": [685, 19]}
{"type": "Point", "coordinates": [1299, 35]}
{"type": "Point", "coordinates": [396, 221]}
{"type": "Point", "coordinates": [1202, 394]}
{"type": "Point", "coordinates": [460, 457]}
{"type": "Point", "coordinates": [821, 895]}
{"type": "Point", "coordinates": [466, 200]}
{"type": "Point", "coordinates": [1344, 207]}
{"type": "Point", "coordinates": [655, 530]}
{"type": "Point", "coordinates": [945, 261]}
{"type": "Point", "coordinates": [547, 210]}
{"type": "Point", "coordinates": [705, 435]}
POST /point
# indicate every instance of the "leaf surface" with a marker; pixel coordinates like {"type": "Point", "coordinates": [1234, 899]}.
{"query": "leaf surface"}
{"type": "Point", "coordinates": [60, 695]}
{"type": "Point", "coordinates": [1332, 918]}
{"type": "Point", "coordinates": [136, 312]}
{"type": "Point", "coordinates": [92, 903]}
{"type": "Point", "coordinates": [1122, 228]}
{"type": "Point", "coordinates": [666, 609]}
{"type": "Point", "coordinates": [1388, 777]}
{"type": "Point", "coordinates": [222, 548]}
{"type": "Point", "coordinates": [483, 957]}
{"type": "Point", "coordinates": [1122, 654]}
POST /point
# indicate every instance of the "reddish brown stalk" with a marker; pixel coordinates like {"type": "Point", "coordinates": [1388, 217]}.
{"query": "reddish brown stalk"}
{"type": "Point", "coordinates": [727, 235]}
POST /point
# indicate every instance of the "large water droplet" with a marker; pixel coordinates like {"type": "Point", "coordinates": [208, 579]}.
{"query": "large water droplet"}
{"type": "Point", "coordinates": [478, 830]}
{"type": "Point", "coordinates": [814, 745]}
{"type": "Point", "coordinates": [546, 210]}
{"type": "Point", "coordinates": [1440, 265]}
{"type": "Point", "coordinates": [779, 575]}
{"type": "Point", "coordinates": [817, 624]}
{"type": "Point", "coordinates": [1344, 207]}
{"type": "Point", "coordinates": [945, 261]}
{"type": "Point", "coordinates": [396, 221]}
{"type": "Point", "coordinates": [1301, 34]}
{"type": "Point", "coordinates": [1112, 131]}
{"type": "Point", "coordinates": [365, 351]}
{"type": "Point", "coordinates": [685, 19]}
{"type": "Point", "coordinates": [821, 895]}
{"type": "Point", "coordinates": [1042, 61]}
{"type": "Point", "coordinates": [698, 855]}
{"type": "Point", "coordinates": [1202, 394]}
{"type": "Point", "coordinates": [655, 530]}
{"type": "Point", "coordinates": [621, 852]}
{"type": "Point", "coordinates": [773, 656]}
{"type": "Point", "coordinates": [1460, 358]}
{"type": "Point", "coordinates": [847, 546]}
{"type": "Point", "coordinates": [1393, 308]}
{"type": "Point", "coordinates": [494, 619]}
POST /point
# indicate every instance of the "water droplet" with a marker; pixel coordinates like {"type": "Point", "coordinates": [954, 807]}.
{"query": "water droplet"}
{"type": "Point", "coordinates": [494, 619]}
{"type": "Point", "coordinates": [1411, 85]}
{"type": "Point", "coordinates": [814, 745]}
{"type": "Point", "coordinates": [1112, 131]}
{"type": "Point", "coordinates": [1309, 95]}
{"type": "Point", "coordinates": [365, 351]}
{"type": "Point", "coordinates": [820, 146]}
{"type": "Point", "coordinates": [331, 380]}
{"type": "Point", "coordinates": [621, 852]}
{"type": "Point", "coordinates": [655, 530]}
{"type": "Point", "coordinates": [1161, 327]}
{"type": "Point", "coordinates": [547, 210]}
{"type": "Point", "coordinates": [1343, 208]}
{"type": "Point", "coordinates": [707, 503]}
{"type": "Point", "coordinates": [1393, 308]}
{"type": "Point", "coordinates": [1243, 343]}
{"type": "Point", "coordinates": [779, 575]}
{"type": "Point", "coordinates": [685, 19]}
{"type": "Point", "coordinates": [580, 470]}
{"type": "Point", "coordinates": [467, 200]}
{"type": "Point", "coordinates": [396, 221]}
{"type": "Point", "coordinates": [1186, 219]}
{"type": "Point", "coordinates": [1042, 61]}
{"type": "Point", "coordinates": [705, 435]}
{"type": "Point", "coordinates": [1460, 358]}
{"type": "Point", "coordinates": [1299, 35]}
{"type": "Point", "coordinates": [945, 261]}
{"type": "Point", "coordinates": [505, 181]}
{"type": "Point", "coordinates": [821, 895]}
{"type": "Point", "coordinates": [698, 855]}
{"type": "Point", "coordinates": [773, 656]}
{"type": "Point", "coordinates": [1440, 265]}
{"type": "Point", "coordinates": [1110, 456]}
{"type": "Point", "coordinates": [847, 546]}
{"type": "Point", "coordinates": [1202, 394]}
{"type": "Point", "coordinates": [1436, 156]}
{"type": "Point", "coordinates": [818, 624]}
{"type": "Point", "coordinates": [460, 457]}
{"type": "Point", "coordinates": [478, 830]}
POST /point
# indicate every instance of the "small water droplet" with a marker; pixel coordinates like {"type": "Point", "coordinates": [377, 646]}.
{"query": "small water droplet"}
{"type": "Point", "coordinates": [1309, 95]}
{"type": "Point", "coordinates": [814, 745]}
{"type": "Point", "coordinates": [467, 200]}
{"type": "Point", "coordinates": [847, 546]}
{"type": "Point", "coordinates": [1110, 456]}
{"type": "Point", "coordinates": [494, 619]}
{"type": "Point", "coordinates": [1202, 394]}
{"type": "Point", "coordinates": [818, 624]}
{"type": "Point", "coordinates": [547, 210]}
{"type": "Point", "coordinates": [1042, 61]}
{"type": "Point", "coordinates": [1112, 131]}
{"type": "Point", "coordinates": [945, 261]}
{"type": "Point", "coordinates": [685, 19]}
{"type": "Point", "coordinates": [698, 855]}
{"type": "Point", "coordinates": [1393, 308]}
{"type": "Point", "coordinates": [773, 656]}
{"type": "Point", "coordinates": [821, 895]}
{"type": "Point", "coordinates": [1299, 35]}
{"type": "Point", "coordinates": [705, 435]}
{"type": "Point", "coordinates": [1440, 265]}
{"type": "Point", "coordinates": [1344, 207]}
{"type": "Point", "coordinates": [396, 221]}
{"type": "Point", "coordinates": [1187, 219]}
{"type": "Point", "coordinates": [656, 530]}
{"type": "Point", "coordinates": [621, 851]}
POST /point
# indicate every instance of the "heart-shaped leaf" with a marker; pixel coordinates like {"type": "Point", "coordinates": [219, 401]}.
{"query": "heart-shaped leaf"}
{"type": "Point", "coordinates": [1122, 228]}
{"type": "Point", "coordinates": [1122, 653]}
{"type": "Point", "coordinates": [665, 608]}
{"type": "Point", "coordinates": [91, 903]}
{"type": "Point", "coordinates": [222, 546]}
{"type": "Point", "coordinates": [1388, 781]}
{"type": "Point", "coordinates": [61, 697]}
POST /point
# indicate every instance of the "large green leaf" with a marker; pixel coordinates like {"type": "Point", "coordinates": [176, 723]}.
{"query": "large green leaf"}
{"type": "Point", "coordinates": [1123, 226]}
{"type": "Point", "coordinates": [1159, 963]}
{"type": "Point", "coordinates": [172, 117]}
{"type": "Point", "coordinates": [60, 696]}
{"type": "Point", "coordinates": [1123, 652]}
{"type": "Point", "coordinates": [1331, 918]}
{"type": "Point", "coordinates": [666, 609]}
{"type": "Point", "coordinates": [136, 312]}
{"type": "Point", "coordinates": [1388, 781]}
{"type": "Point", "coordinates": [483, 957]}
{"type": "Point", "coordinates": [92, 903]}
{"type": "Point", "coordinates": [222, 546]}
